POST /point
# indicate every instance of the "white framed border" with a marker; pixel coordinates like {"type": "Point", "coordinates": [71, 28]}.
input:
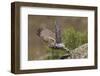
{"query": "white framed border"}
{"type": "Point", "coordinates": [42, 64]}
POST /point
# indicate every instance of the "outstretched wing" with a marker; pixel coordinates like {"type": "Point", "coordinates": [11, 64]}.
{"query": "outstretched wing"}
{"type": "Point", "coordinates": [58, 32]}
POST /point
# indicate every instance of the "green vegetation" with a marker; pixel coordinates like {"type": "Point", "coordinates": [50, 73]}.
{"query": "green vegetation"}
{"type": "Point", "coordinates": [55, 53]}
{"type": "Point", "coordinates": [72, 38]}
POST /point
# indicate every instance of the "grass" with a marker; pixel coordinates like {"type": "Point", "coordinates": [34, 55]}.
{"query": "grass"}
{"type": "Point", "coordinates": [72, 38]}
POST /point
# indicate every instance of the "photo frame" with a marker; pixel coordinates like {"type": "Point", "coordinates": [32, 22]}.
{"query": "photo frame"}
{"type": "Point", "coordinates": [28, 19]}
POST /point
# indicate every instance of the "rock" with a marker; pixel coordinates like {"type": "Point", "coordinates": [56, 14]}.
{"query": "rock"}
{"type": "Point", "coordinates": [78, 53]}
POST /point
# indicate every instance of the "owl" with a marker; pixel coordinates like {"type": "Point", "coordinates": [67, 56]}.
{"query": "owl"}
{"type": "Point", "coordinates": [47, 36]}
